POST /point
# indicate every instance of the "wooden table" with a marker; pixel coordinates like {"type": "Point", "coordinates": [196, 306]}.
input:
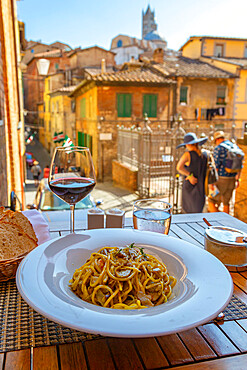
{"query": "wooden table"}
{"type": "Point", "coordinates": [210, 346]}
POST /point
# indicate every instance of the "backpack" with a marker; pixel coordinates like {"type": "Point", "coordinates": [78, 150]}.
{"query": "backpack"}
{"type": "Point", "coordinates": [211, 173]}
{"type": "Point", "coordinates": [234, 158]}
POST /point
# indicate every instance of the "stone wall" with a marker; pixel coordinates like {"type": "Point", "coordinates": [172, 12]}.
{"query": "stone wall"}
{"type": "Point", "coordinates": [123, 176]}
{"type": "Point", "coordinates": [240, 207]}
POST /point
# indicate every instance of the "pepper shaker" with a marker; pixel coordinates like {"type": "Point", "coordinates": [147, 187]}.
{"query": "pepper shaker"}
{"type": "Point", "coordinates": [95, 218]}
{"type": "Point", "coordinates": [115, 218]}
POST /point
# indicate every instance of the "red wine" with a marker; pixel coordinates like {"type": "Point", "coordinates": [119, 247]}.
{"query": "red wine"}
{"type": "Point", "coordinates": [72, 189]}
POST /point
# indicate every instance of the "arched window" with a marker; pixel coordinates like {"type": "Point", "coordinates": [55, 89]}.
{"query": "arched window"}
{"type": "Point", "coordinates": [119, 43]}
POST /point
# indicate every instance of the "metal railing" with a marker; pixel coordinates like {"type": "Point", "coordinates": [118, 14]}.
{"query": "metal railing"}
{"type": "Point", "coordinates": [151, 150]}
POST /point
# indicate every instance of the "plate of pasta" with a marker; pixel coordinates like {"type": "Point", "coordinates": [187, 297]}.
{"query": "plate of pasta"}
{"type": "Point", "coordinates": [124, 283]}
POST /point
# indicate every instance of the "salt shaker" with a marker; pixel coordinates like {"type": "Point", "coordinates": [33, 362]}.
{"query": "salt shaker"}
{"type": "Point", "coordinates": [95, 218]}
{"type": "Point", "coordinates": [115, 218]}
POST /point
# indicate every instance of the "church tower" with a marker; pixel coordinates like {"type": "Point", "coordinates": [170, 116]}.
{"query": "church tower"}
{"type": "Point", "coordinates": [148, 22]}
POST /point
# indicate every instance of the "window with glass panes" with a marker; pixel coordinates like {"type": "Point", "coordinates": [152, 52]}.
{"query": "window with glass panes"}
{"type": "Point", "coordinates": [183, 95]}
{"type": "Point", "coordinates": [219, 50]}
{"type": "Point", "coordinates": [124, 105]}
{"type": "Point", "coordinates": [150, 105]}
{"type": "Point", "coordinates": [221, 95]}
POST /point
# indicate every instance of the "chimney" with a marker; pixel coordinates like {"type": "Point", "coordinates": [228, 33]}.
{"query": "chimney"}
{"type": "Point", "coordinates": [158, 55]}
{"type": "Point", "coordinates": [103, 69]}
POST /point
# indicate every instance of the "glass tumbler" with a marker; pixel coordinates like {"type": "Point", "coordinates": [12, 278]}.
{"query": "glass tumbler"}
{"type": "Point", "coordinates": [152, 215]}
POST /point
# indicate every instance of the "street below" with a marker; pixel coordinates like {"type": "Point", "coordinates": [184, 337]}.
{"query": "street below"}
{"type": "Point", "coordinates": [110, 195]}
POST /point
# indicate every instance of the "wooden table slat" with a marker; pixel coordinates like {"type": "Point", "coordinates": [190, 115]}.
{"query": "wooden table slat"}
{"type": "Point", "coordinates": [230, 363]}
{"type": "Point", "coordinates": [183, 235]}
{"type": "Point", "coordinates": [243, 323]}
{"type": "Point", "coordinates": [174, 349]}
{"type": "Point", "coordinates": [157, 359]}
{"type": "Point", "coordinates": [193, 233]}
{"type": "Point", "coordinates": [1, 359]}
{"type": "Point", "coordinates": [45, 356]}
{"type": "Point", "coordinates": [239, 293]}
{"type": "Point", "coordinates": [217, 340]}
{"type": "Point", "coordinates": [197, 345]}
{"type": "Point", "coordinates": [72, 356]}
{"type": "Point", "coordinates": [99, 355]}
{"type": "Point", "coordinates": [241, 282]}
{"type": "Point", "coordinates": [199, 227]}
{"type": "Point", "coordinates": [124, 354]}
{"type": "Point", "coordinates": [236, 333]}
{"type": "Point", "coordinates": [18, 360]}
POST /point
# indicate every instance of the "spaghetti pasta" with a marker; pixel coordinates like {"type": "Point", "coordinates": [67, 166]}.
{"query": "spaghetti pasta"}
{"type": "Point", "coordinates": [123, 278]}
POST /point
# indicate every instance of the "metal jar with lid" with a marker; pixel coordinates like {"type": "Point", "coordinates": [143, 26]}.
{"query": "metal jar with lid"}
{"type": "Point", "coordinates": [227, 244]}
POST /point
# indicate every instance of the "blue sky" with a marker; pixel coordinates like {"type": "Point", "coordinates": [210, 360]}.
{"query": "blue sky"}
{"type": "Point", "coordinates": [95, 22]}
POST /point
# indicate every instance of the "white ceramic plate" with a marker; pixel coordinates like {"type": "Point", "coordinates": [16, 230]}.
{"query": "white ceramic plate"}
{"type": "Point", "coordinates": [204, 286]}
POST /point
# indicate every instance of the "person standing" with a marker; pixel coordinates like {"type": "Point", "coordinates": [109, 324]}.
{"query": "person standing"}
{"type": "Point", "coordinates": [193, 165]}
{"type": "Point", "coordinates": [46, 172]}
{"type": "Point", "coordinates": [227, 181]}
{"type": "Point", "coordinates": [36, 171]}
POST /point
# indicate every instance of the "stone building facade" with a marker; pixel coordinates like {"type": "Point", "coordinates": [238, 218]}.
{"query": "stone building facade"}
{"type": "Point", "coordinates": [148, 22]}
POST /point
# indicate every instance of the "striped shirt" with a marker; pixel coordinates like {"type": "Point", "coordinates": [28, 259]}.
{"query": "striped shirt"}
{"type": "Point", "coordinates": [220, 153]}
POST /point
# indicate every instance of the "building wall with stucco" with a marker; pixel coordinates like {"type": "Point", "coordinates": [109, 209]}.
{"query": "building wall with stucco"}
{"type": "Point", "coordinates": [3, 162]}
{"type": "Point", "coordinates": [202, 94]}
{"type": "Point", "coordinates": [234, 53]}
{"type": "Point", "coordinates": [101, 117]}
{"type": "Point", "coordinates": [12, 138]}
{"type": "Point", "coordinates": [91, 57]}
{"type": "Point", "coordinates": [240, 206]}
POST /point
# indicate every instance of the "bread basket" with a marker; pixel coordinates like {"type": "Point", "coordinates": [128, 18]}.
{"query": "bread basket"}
{"type": "Point", "coordinates": [9, 267]}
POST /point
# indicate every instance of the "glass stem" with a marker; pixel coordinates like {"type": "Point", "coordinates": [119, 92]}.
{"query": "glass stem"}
{"type": "Point", "coordinates": [72, 218]}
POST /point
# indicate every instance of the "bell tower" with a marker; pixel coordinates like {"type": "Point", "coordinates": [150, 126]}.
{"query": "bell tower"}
{"type": "Point", "coordinates": [148, 22]}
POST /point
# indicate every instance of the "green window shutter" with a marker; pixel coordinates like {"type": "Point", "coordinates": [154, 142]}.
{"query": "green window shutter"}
{"type": "Point", "coordinates": [120, 105]}
{"type": "Point", "coordinates": [127, 105]}
{"type": "Point", "coordinates": [183, 94]}
{"type": "Point", "coordinates": [83, 108]}
{"type": "Point", "coordinates": [153, 106]}
{"type": "Point", "coordinates": [145, 105]}
{"type": "Point", "coordinates": [89, 142]}
{"type": "Point", "coordinates": [124, 105]}
{"type": "Point", "coordinates": [79, 138]}
{"type": "Point", "coordinates": [150, 105]}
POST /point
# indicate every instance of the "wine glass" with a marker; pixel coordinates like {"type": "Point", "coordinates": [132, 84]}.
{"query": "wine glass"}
{"type": "Point", "coordinates": [152, 215]}
{"type": "Point", "coordinates": [72, 176]}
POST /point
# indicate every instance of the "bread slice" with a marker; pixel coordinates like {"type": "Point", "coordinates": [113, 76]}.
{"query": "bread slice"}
{"type": "Point", "coordinates": [2, 211]}
{"type": "Point", "coordinates": [14, 241]}
{"type": "Point", "coordinates": [18, 218]}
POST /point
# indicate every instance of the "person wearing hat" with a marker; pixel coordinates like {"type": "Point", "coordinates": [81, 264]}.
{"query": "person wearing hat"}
{"type": "Point", "coordinates": [36, 171]}
{"type": "Point", "coordinates": [227, 182]}
{"type": "Point", "coordinates": [193, 166]}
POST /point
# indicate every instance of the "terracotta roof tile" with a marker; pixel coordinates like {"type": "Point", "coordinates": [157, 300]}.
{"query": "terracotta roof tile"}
{"type": "Point", "coordinates": [139, 75]}
{"type": "Point", "coordinates": [68, 89]}
{"type": "Point", "coordinates": [47, 54]}
{"type": "Point", "coordinates": [186, 67]}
